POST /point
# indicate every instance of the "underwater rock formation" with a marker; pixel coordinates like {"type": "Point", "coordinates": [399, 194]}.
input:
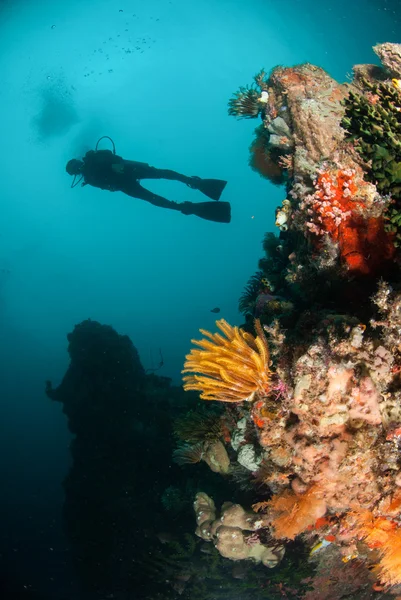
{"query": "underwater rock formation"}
{"type": "Point", "coordinates": [322, 430]}
{"type": "Point", "coordinates": [121, 422]}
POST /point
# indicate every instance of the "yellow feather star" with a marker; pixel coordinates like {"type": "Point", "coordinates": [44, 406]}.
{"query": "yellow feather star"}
{"type": "Point", "coordinates": [232, 368]}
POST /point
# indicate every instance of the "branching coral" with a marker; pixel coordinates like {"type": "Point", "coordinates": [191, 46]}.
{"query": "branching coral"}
{"type": "Point", "coordinates": [373, 119]}
{"type": "Point", "coordinates": [232, 368]}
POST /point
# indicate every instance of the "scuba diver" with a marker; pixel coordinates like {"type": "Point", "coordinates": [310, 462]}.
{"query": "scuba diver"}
{"type": "Point", "coordinates": [108, 171]}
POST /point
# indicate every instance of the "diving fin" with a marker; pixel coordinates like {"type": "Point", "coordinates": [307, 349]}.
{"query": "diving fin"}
{"type": "Point", "coordinates": [212, 188]}
{"type": "Point", "coordinates": [220, 212]}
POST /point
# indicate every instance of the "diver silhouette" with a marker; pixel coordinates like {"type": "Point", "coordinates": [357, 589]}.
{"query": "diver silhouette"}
{"type": "Point", "coordinates": [106, 170]}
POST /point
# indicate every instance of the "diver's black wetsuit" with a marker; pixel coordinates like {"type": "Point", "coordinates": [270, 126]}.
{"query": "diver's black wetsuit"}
{"type": "Point", "coordinates": [108, 171]}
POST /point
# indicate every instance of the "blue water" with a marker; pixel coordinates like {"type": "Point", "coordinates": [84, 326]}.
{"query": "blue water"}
{"type": "Point", "coordinates": [156, 77]}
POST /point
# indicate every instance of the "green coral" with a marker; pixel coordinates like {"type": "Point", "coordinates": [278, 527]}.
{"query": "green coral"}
{"type": "Point", "coordinates": [393, 223]}
{"type": "Point", "coordinates": [373, 121]}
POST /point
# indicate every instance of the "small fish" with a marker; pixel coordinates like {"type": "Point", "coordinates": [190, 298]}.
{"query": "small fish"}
{"type": "Point", "coordinates": [346, 559]}
{"type": "Point", "coordinates": [215, 310]}
{"type": "Point", "coordinates": [319, 546]}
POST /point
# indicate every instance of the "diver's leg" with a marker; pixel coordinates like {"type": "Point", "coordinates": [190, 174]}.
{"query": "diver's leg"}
{"type": "Point", "coordinates": [144, 171]}
{"type": "Point", "coordinates": [135, 190]}
{"type": "Point", "coordinates": [212, 188]}
{"type": "Point", "coordinates": [220, 212]}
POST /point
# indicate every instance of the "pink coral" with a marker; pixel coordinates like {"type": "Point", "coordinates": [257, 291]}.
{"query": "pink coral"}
{"type": "Point", "coordinates": [365, 402]}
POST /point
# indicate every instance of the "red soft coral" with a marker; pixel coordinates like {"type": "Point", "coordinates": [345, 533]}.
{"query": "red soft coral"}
{"type": "Point", "coordinates": [336, 208]}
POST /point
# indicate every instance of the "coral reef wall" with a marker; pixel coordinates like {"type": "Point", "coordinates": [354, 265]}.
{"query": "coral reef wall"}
{"type": "Point", "coordinates": [316, 416]}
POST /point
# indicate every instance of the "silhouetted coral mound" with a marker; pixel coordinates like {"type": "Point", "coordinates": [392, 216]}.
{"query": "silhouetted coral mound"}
{"type": "Point", "coordinates": [102, 380]}
{"type": "Point", "coordinates": [121, 466]}
{"type": "Point", "coordinates": [93, 346]}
